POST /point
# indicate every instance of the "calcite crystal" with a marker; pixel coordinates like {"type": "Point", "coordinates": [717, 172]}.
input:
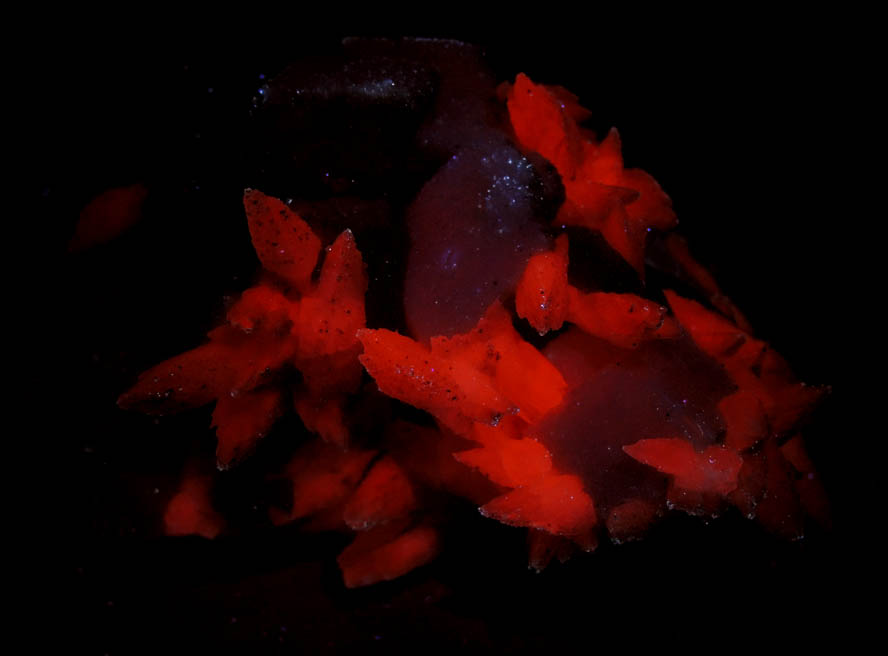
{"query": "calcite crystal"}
{"type": "Point", "coordinates": [544, 397]}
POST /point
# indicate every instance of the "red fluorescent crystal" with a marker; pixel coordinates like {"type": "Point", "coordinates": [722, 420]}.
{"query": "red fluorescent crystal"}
{"type": "Point", "coordinates": [623, 204]}
{"type": "Point", "coordinates": [108, 215]}
{"type": "Point", "coordinates": [385, 553]}
{"type": "Point", "coordinates": [190, 511]}
{"type": "Point", "coordinates": [275, 324]}
{"type": "Point", "coordinates": [542, 296]}
{"type": "Point", "coordinates": [283, 241]}
{"type": "Point", "coordinates": [714, 470]}
{"type": "Point", "coordinates": [632, 408]}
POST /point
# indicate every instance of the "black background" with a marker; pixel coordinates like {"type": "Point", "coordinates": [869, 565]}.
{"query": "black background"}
{"type": "Point", "coordinates": [740, 130]}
